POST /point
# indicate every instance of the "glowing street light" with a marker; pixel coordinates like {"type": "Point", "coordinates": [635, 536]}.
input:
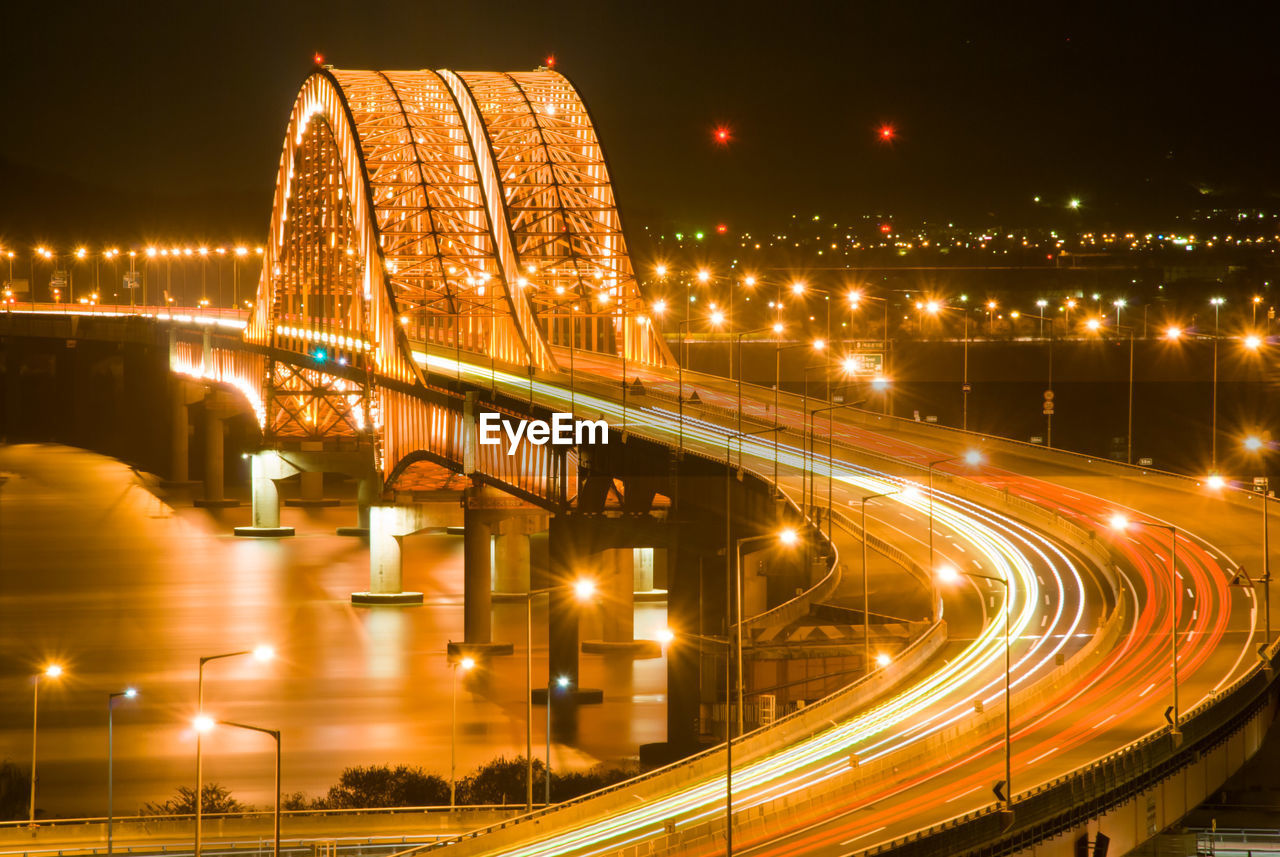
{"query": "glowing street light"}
{"type": "Point", "coordinates": [1259, 446]}
{"type": "Point", "coordinates": [584, 592]}
{"type": "Point", "coordinates": [53, 672]}
{"type": "Point", "coordinates": [202, 724]}
{"type": "Point", "coordinates": [466, 664]}
{"type": "Point", "coordinates": [704, 275]}
{"type": "Point", "coordinates": [127, 693]}
{"type": "Point", "coordinates": [1121, 523]}
{"type": "Point", "coordinates": [949, 574]}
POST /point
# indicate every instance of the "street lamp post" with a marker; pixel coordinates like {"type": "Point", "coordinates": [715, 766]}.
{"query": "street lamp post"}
{"type": "Point", "coordinates": [1120, 523]}
{"type": "Point", "coordinates": [261, 653]}
{"type": "Point", "coordinates": [274, 733]}
{"type": "Point", "coordinates": [1096, 325]}
{"type": "Point", "coordinates": [127, 693]}
{"type": "Point", "coordinates": [950, 574]}
{"type": "Point", "coordinates": [1257, 445]}
{"type": "Point", "coordinates": [972, 458]}
{"type": "Point", "coordinates": [866, 600]}
{"type": "Point", "coordinates": [583, 590]}
{"type": "Point", "coordinates": [51, 671]}
{"type": "Point", "coordinates": [739, 350]}
{"type": "Point", "coordinates": [467, 663]}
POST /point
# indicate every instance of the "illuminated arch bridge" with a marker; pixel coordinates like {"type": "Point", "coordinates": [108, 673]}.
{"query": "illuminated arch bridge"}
{"type": "Point", "coordinates": [469, 213]}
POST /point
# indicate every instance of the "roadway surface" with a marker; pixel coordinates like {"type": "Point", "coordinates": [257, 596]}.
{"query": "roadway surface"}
{"type": "Point", "coordinates": [1055, 600]}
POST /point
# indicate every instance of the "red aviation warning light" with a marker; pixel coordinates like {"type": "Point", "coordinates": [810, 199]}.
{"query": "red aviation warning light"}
{"type": "Point", "coordinates": [318, 58]}
{"type": "Point", "coordinates": [722, 228]}
{"type": "Point", "coordinates": [550, 61]}
{"type": "Point", "coordinates": [886, 228]}
{"type": "Point", "coordinates": [722, 135]}
{"type": "Point", "coordinates": [886, 133]}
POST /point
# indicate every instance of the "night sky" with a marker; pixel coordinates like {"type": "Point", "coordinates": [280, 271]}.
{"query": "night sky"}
{"type": "Point", "coordinates": [125, 121]}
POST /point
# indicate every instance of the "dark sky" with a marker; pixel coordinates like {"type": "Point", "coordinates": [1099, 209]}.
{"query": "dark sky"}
{"type": "Point", "coordinates": [124, 119]}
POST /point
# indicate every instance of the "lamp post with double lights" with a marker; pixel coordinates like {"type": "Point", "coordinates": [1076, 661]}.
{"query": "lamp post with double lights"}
{"type": "Point", "coordinates": [53, 672]}
{"type": "Point", "coordinates": [127, 693]}
{"type": "Point", "coordinates": [584, 590]}
{"type": "Point", "coordinates": [948, 574]}
{"type": "Point", "coordinates": [1120, 523]}
{"type": "Point", "coordinates": [1096, 325]}
{"type": "Point", "coordinates": [817, 345]}
{"type": "Point", "coordinates": [261, 653]}
{"type": "Point", "coordinates": [204, 724]}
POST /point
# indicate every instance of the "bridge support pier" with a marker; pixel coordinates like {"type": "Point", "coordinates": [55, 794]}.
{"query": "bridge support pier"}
{"type": "Point", "coordinates": [617, 586]}
{"type": "Point", "coordinates": [366, 495]}
{"type": "Point", "coordinates": [511, 556]}
{"type": "Point", "coordinates": [312, 482]}
{"type": "Point", "coordinates": [266, 467]}
{"type": "Point", "coordinates": [181, 395]}
{"type": "Point", "coordinates": [388, 525]}
{"type": "Point", "coordinates": [216, 410]}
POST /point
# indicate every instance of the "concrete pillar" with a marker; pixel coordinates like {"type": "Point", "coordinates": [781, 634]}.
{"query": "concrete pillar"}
{"type": "Point", "coordinates": [642, 562]}
{"type": "Point", "coordinates": [366, 495]}
{"type": "Point", "coordinates": [180, 438]}
{"type": "Point", "coordinates": [617, 587]}
{"type": "Point", "coordinates": [266, 467]}
{"type": "Point", "coordinates": [477, 564]}
{"type": "Point", "coordinates": [683, 601]}
{"type": "Point", "coordinates": [215, 413]}
{"type": "Point", "coordinates": [388, 525]}
{"type": "Point", "coordinates": [312, 480]}
{"type": "Point", "coordinates": [512, 556]}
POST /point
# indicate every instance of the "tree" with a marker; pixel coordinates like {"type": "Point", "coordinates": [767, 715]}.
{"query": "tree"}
{"type": "Point", "coordinates": [501, 781]}
{"type": "Point", "coordinates": [15, 791]}
{"type": "Point", "coordinates": [214, 799]}
{"type": "Point", "coordinates": [362, 787]}
{"type": "Point", "coordinates": [578, 783]}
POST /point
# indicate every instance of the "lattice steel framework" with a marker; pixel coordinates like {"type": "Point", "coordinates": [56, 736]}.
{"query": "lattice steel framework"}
{"type": "Point", "coordinates": [469, 211]}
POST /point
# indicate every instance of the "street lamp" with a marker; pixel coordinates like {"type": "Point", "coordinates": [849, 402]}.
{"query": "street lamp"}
{"type": "Point", "coordinates": [274, 733]}
{"type": "Point", "coordinates": [936, 307]}
{"type": "Point", "coordinates": [972, 458]}
{"type": "Point", "coordinates": [716, 318]}
{"type": "Point", "coordinates": [467, 664]}
{"type": "Point", "coordinates": [1120, 523]}
{"type": "Point", "coordinates": [1096, 326]}
{"type": "Point", "coordinates": [52, 671]}
{"type": "Point", "coordinates": [584, 590]}
{"type": "Point", "coordinates": [786, 537]}
{"type": "Point", "coordinates": [127, 693]}
{"type": "Point", "coordinates": [261, 653]}
{"type": "Point", "coordinates": [866, 608]}
{"type": "Point", "coordinates": [948, 574]}
{"type": "Point", "coordinates": [1048, 417]}
{"type": "Point", "coordinates": [1259, 447]}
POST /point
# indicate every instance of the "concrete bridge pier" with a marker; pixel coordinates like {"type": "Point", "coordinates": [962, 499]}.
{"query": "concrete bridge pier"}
{"type": "Point", "coordinates": [505, 560]}
{"type": "Point", "coordinates": [216, 410]}
{"type": "Point", "coordinates": [182, 394]}
{"type": "Point", "coordinates": [312, 481]}
{"type": "Point", "coordinates": [389, 524]}
{"type": "Point", "coordinates": [266, 467]}
{"type": "Point", "coordinates": [615, 572]}
{"type": "Point", "coordinates": [367, 489]}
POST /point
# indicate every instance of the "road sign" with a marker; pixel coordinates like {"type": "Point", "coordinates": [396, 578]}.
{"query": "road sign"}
{"type": "Point", "coordinates": [1048, 395]}
{"type": "Point", "coordinates": [1168, 715]}
{"type": "Point", "coordinates": [1145, 462]}
{"type": "Point", "coordinates": [998, 791]}
{"type": "Point", "coordinates": [1048, 409]}
{"type": "Point", "coordinates": [966, 388]}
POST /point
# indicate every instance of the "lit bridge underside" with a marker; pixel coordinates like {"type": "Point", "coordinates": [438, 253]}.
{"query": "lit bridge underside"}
{"type": "Point", "coordinates": [430, 226]}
